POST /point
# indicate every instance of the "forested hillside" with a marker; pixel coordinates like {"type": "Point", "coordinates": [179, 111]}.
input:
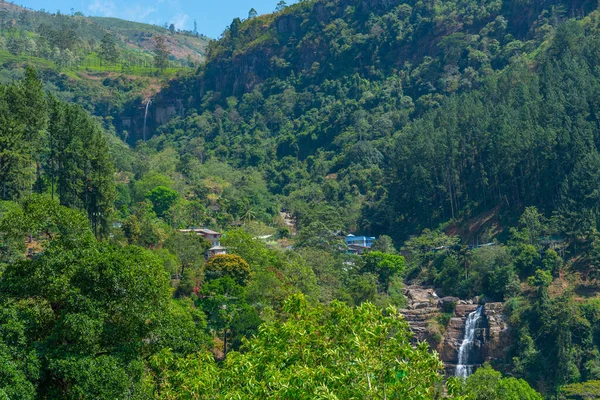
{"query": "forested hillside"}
{"type": "Point", "coordinates": [358, 104]}
{"type": "Point", "coordinates": [464, 135]}
{"type": "Point", "coordinates": [462, 119]}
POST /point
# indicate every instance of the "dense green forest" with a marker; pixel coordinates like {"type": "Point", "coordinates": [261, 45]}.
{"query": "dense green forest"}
{"type": "Point", "coordinates": [435, 126]}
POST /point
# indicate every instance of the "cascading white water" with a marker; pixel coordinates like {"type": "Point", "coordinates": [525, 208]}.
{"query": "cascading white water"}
{"type": "Point", "coordinates": [464, 368]}
{"type": "Point", "coordinates": [146, 117]}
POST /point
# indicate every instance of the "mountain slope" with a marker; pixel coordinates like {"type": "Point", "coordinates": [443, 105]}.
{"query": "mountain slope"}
{"type": "Point", "coordinates": [131, 36]}
{"type": "Point", "coordinates": [410, 119]}
{"type": "Point", "coordinates": [321, 96]}
{"type": "Point", "coordinates": [417, 120]}
{"type": "Point", "coordinates": [138, 36]}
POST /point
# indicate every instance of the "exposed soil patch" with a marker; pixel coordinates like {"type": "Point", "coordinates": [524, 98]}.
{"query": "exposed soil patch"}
{"type": "Point", "coordinates": [478, 229]}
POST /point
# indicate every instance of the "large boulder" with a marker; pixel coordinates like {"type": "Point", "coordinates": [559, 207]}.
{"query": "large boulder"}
{"type": "Point", "coordinates": [448, 302]}
{"type": "Point", "coordinates": [419, 297]}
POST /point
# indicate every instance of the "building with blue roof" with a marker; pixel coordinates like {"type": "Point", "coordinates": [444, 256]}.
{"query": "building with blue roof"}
{"type": "Point", "coordinates": [361, 241]}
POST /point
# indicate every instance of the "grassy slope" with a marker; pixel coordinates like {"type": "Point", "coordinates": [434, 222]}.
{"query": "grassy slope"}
{"type": "Point", "coordinates": [138, 35]}
{"type": "Point", "coordinates": [133, 36]}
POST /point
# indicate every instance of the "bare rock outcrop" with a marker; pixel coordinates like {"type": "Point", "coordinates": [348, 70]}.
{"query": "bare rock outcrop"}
{"type": "Point", "coordinates": [422, 309]}
{"type": "Point", "coordinates": [498, 335]}
{"type": "Point", "coordinates": [492, 337]}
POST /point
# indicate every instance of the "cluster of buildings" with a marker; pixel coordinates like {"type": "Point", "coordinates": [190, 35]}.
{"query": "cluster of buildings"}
{"type": "Point", "coordinates": [359, 244]}
{"type": "Point", "coordinates": [354, 244]}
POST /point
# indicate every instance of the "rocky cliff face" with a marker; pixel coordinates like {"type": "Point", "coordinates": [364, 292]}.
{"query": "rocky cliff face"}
{"type": "Point", "coordinates": [498, 335]}
{"type": "Point", "coordinates": [422, 309]}
{"type": "Point", "coordinates": [492, 338]}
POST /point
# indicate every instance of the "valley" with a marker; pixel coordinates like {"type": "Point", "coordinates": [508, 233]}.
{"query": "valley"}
{"type": "Point", "coordinates": [339, 199]}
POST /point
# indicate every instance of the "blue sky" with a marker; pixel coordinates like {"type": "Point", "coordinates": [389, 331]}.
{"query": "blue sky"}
{"type": "Point", "coordinates": [212, 15]}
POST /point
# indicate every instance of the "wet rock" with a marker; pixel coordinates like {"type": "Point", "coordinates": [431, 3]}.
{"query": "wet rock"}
{"type": "Point", "coordinates": [493, 335]}
{"type": "Point", "coordinates": [498, 335]}
{"type": "Point", "coordinates": [455, 332]}
{"type": "Point", "coordinates": [463, 309]}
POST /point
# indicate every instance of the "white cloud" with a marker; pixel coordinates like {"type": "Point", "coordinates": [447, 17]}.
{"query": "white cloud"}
{"type": "Point", "coordinates": [103, 7]}
{"type": "Point", "coordinates": [138, 12]}
{"type": "Point", "coordinates": [180, 20]}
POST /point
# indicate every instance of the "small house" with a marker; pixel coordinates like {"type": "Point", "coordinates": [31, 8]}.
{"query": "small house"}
{"type": "Point", "coordinates": [213, 237]}
{"type": "Point", "coordinates": [357, 249]}
{"type": "Point", "coordinates": [361, 241]}
{"type": "Point", "coordinates": [216, 250]}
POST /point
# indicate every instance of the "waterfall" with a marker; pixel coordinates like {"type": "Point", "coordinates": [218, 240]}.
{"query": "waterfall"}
{"type": "Point", "coordinates": [465, 365]}
{"type": "Point", "coordinates": [146, 117]}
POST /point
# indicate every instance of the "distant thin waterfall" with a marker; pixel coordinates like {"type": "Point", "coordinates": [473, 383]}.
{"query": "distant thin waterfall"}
{"type": "Point", "coordinates": [146, 116]}
{"type": "Point", "coordinates": [465, 365]}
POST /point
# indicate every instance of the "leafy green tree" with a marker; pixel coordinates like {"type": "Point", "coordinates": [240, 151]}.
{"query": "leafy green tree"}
{"type": "Point", "coordinates": [109, 52]}
{"type": "Point", "coordinates": [189, 248]}
{"type": "Point", "coordinates": [144, 228]}
{"type": "Point", "coordinates": [15, 164]}
{"type": "Point", "coordinates": [81, 167]}
{"type": "Point", "coordinates": [422, 249]}
{"type": "Point", "coordinates": [531, 227]}
{"type": "Point", "coordinates": [580, 391]}
{"type": "Point", "coordinates": [527, 259]}
{"type": "Point", "coordinates": [362, 287]}
{"type": "Point", "coordinates": [86, 309]}
{"type": "Point", "coordinates": [149, 182]}
{"type": "Point", "coordinates": [487, 270]}
{"type": "Point", "coordinates": [18, 370]}
{"type": "Point", "coordinates": [42, 219]}
{"type": "Point", "coordinates": [330, 273]}
{"type": "Point", "coordinates": [15, 45]}
{"type": "Point", "coordinates": [169, 260]}
{"type": "Point", "coordinates": [22, 135]}
{"type": "Point", "coordinates": [384, 244]}
{"type": "Point", "coordinates": [162, 199]}
{"type": "Point", "coordinates": [230, 265]}
{"type": "Point", "coordinates": [319, 235]}
{"type": "Point", "coordinates": [131, 228]}
{"type": "Point", "coordinates": [487, 384]}
{"type": "Point", "coordinates": [310, 355]}
{"type": "Point", "coordinates": [161, 53]}
{"type": "Point", "coordinates": [253, 251]}
{"type": "Point", "coordinates": [225, 303]}
{"type": "Point", "coordinates": [385, 266]}
{"type": "Point", "coordinates": [234, 28]}
{"type": "Point", "coordinates": [552, 262]}
{"type": "Point", "coordinates": [190, 282]}
{"type": "Point", "coordinates": [281, 5]}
